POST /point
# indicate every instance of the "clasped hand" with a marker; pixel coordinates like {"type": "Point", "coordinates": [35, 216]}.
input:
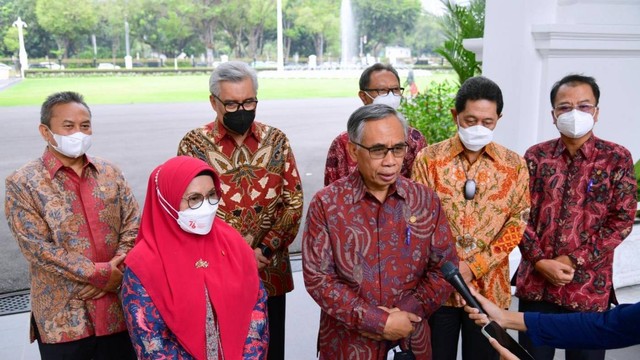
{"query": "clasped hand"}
{"type": "Point", "coordinates": [91, 292]}
{"type": "Point", "coordinates": [399, 325]}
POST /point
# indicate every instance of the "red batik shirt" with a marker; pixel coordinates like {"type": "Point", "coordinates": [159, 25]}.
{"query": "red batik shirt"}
{"type": "Point", "coordinates": [582, 207]}
{"type": "Point", "coordinates": [261, 190]}
{"type": "Point", "coordinates": [68, 227]}
{"type": "Point", "coordinates": [339, 164]}
{"type": "Point", "coordinates": [358, 254]}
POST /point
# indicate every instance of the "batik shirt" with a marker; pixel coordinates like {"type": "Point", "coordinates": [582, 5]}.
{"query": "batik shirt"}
{"type": "Point", "coordinates": [359, 253]}
{"type": "Point", "coordinates": [152, 339]}
{"type": "Point", "coordinates": [261, 190]}
{"type": "Point", "coordinates": [583, 207]}
{"type": "Point", "coordinates": [68, 227]}
{"type": "Point", "coordinates": [339, 164]}
{"type": "Point", "coordinates": [489, 226]}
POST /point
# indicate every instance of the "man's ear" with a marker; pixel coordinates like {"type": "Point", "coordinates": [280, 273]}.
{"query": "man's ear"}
{"type": "Point", "coordinates": [364, 98]}
{"type": "Point", "coordinates": [454, 116]}
{"type": "Point", "coordinates": [351, 149]}
{"type": "Point", "coordinates": [46, 134]}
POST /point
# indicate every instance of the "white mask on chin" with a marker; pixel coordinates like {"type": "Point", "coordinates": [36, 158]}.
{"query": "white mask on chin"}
{"type": "Point", "coordinates": [73, 146]}
{"type": "Point", "coordinates": [575, 124]}
{"type": "Point", "coordinates": [475, 137]}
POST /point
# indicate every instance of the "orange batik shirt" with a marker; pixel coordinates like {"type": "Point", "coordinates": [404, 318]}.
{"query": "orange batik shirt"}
{"type": "Point", "coordinates": [488, 227]}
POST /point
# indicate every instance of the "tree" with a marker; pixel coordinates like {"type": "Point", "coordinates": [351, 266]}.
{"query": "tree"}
{"type": "Point", "coordinates": [319, 20]}
{"type": "Point", "coordinates": [426, 36]}
{"type": "Point", "coordinates": [462, 22]}
{"type": "Point", "coordinates": [383, 20]}
{"type": "Point", "coordinates": [37, 40]}
{"type": "Point", "coordinates": [67, 20]}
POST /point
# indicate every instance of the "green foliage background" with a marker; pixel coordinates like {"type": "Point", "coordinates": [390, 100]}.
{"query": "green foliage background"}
{"type": "Point", "coordinates": [430, 111]}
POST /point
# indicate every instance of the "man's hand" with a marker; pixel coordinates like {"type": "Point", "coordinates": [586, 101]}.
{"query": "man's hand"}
{"type": "Point", "coordinates": [261, 260]}
{"type": "Point", "coordinates": [465, 271]}
{"type": "Point", "coordinates": [90, 292]}
{"type": "Point", "coordinates": [556, 272]}
{"type": "Point", "coordinates": [399, 325]}
{"type": "Point", "coordinates": [373, 336]}
{"type": "Point", "coordinates": [115, 279]}
{"type": "Point", "coordinates": [492, 310]}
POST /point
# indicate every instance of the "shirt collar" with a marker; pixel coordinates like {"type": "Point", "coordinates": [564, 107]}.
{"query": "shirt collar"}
{"type": "Point", "coordinates": [587, 149]}
{"type": "Point", "coordinates": [355, 181]}
{"type": "Point", "coordinates": [53, 164]}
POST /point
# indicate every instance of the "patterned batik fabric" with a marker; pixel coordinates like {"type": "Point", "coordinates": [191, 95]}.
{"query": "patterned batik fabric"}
{"type": "Point", "coordinates": [489, 226]}
{"type": "Point", "coordinates": [261, 190]}
{"type": "Point", "coordinates": [68, 227]}
{"type": "Point", "coordinates": [339, 164]}
{"type": "Point", "coordinates": [359, 254]}
{"type": "Point", "coordinates": [152, 339]}
{"type": "Point", "coordinates": [583, 207]}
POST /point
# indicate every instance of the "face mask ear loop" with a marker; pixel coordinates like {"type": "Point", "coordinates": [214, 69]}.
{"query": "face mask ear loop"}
{"type": "Point", "coordinates": [162, 199]}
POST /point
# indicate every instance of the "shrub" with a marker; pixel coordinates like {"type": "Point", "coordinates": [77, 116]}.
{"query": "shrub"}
{"type": "Point", "coordinates": [430, 111]}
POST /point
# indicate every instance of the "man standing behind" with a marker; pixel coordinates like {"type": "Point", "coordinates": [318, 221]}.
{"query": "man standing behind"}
{"type": "Point", "coordinates": [373, 246]}
{"type": "Point", "coordinates": [379, 84]}
{"type": "Point", "coordinates": [75, 219]}
{"type": "Point", "coordinates": [484, 191]}
{"type": "Point", "coordinates": [583, 201]}
{"type": "Point", "coordinates": [261, 189]}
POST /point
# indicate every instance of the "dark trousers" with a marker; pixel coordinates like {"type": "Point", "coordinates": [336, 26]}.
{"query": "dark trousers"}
{"type": "Point", "coordinates": [276, 309]}
{"type": "Point", "coordinates": [547, 352]}
{"type": "Point", "coordinates": [446, 324]}
{"type": "Point", "coordinates": [110, 347]}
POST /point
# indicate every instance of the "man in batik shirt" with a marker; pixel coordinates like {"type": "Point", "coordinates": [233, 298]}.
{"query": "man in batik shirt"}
{"type": "Point", "coordinates": [261, 188]}
{"type": "Point", "coordinates": [583, 201]}
{"type": "Point", "coordinates": [75, 219]}
{"type": "Point", "coordinates": [373, 246]}
{"type": "Point", "coordinates": [484, 190]}
{"type": "Point", "coordinates": [379, 84]}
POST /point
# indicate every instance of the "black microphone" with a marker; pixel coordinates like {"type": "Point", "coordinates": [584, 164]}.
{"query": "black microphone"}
{"type": "Point", "coordinates": [452, 275]}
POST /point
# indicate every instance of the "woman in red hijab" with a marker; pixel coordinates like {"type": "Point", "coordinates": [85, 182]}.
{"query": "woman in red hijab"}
{"type": "Point", "coordinates": [191, 289]}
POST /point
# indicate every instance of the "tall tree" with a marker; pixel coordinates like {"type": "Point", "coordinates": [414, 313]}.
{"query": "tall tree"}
{"type": "Point", "coordinates": [321, 20]}
{"type": "Point", "coordinates": [461, 22]}
{"type": "Point", "coordinates": [383, 20]}
{"type": "Point", "coordinates": [205, 17]}
{"type": "Point", "coordinates": [67, 20]}
{"type": "Point", "coordinates": [38, 42]}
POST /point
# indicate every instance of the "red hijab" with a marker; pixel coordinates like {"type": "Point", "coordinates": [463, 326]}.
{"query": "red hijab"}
{"type": "Point", "coordinates": [165, 256]}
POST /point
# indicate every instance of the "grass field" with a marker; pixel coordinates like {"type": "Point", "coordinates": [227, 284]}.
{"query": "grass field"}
{"type": "Point", "coordinates": [179, 88]}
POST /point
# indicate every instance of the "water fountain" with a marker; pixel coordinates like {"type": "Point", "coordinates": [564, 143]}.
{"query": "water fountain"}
{"type": "Point", "coordinates": [348, 34]}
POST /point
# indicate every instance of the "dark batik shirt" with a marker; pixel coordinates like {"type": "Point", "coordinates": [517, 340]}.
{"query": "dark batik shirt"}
{"type": "Point", "coordinates": [582, 207]}
{"type": "Point", "coordinates": [339, 164]}
{"type": "Point", "coordinates": [359, 254]}
{"type": "Point", "coordinates": [261, 190]}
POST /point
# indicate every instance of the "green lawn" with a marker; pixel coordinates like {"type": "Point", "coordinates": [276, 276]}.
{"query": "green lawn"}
{"type": "Point", "coordinates": [180, 88]}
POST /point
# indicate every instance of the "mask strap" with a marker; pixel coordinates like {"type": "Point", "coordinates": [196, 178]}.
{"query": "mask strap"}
{"type": "Point", "coordinates": [163, 200]}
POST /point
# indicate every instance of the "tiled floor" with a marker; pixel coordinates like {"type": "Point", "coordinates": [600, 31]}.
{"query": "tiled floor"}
{"type": "Point", "coordinates": [302, 327]}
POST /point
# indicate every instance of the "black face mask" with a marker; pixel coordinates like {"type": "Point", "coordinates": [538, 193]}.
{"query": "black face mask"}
{"type": "Point", "coordinates": [239, 121]}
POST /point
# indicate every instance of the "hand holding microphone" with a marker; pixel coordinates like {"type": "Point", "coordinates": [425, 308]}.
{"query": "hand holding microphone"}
{"type": "Point", "coordinates": [452, 275]}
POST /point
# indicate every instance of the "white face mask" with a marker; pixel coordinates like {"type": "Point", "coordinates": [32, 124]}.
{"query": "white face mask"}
{"type": "Point", "coordinates": [73, 146]}
{"type": "Point", "coordinates": [390, 99]}
{"type": "Point", "coordinates": [475, 137]}
{"type": "Point", "coordinates": [196, 221]}
{"type": "Point", "coordinates": [575, 124]}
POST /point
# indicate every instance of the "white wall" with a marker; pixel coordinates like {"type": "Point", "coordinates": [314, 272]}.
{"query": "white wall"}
{"type": "Point", "coordinates": [529, 45]}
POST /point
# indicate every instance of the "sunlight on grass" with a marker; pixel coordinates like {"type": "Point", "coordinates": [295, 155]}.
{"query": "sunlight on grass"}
{"type": "Point", "coordinates": [177, 89]}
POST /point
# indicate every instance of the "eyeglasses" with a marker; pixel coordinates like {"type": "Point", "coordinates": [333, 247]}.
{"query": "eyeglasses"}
{"type": "Point", "coordinates": [196, 200]}
{"type": "Point", "coordinates": [380, 151]}
{"type": "Point", "coordinates": [233, 106]}
{"type": "Point", "coordinates": [565, 108]}
{"type": "Point", "coordinates": [384, 92]}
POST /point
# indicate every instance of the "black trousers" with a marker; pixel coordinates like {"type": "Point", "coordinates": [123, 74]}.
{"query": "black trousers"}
{"type": "Point", "coordinates": [110, 347]}
{"type": "Point", "coordinates": [547, 352]}
{"type": "Point", "coordinates": [446, 324]}
{"type": "Point", "coordinates": [276, 309]}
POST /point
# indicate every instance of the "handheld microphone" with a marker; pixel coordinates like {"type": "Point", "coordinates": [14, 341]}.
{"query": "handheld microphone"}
{"type": "Point", "coordinates": [452, 275]}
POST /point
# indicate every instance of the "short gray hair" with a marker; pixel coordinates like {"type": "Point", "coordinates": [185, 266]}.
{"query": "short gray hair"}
{"type": "Point", "coordinates": [355, 125]}
{"type": "Point", "coordinates": [234, 71]}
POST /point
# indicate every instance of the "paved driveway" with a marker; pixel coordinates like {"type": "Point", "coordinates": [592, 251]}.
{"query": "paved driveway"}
{"type": "Point", "coordinates": [139, 137]}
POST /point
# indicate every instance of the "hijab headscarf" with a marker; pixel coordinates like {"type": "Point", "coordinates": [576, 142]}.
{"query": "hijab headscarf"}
{"type": "Point", "coordinates": [165, 257]}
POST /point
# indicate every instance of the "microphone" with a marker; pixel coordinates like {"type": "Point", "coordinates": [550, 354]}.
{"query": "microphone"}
{"type": "Point", "coordinates": [452, 275]}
